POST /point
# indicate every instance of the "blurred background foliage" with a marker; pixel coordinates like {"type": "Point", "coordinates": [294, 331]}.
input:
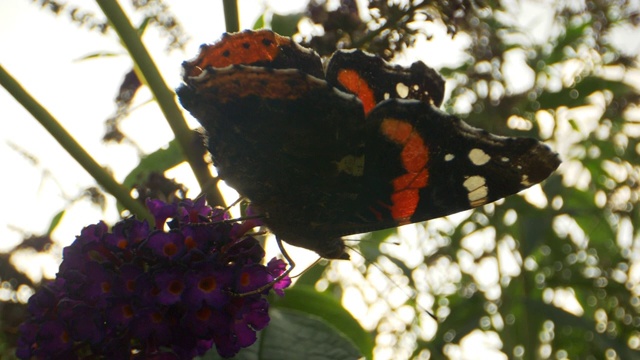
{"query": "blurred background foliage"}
{"type": "Point", "coordinates": [552, 274]}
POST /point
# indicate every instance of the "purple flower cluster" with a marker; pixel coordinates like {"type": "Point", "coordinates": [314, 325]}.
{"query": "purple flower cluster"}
{"type": "Point", "coordinates": [137, 292]}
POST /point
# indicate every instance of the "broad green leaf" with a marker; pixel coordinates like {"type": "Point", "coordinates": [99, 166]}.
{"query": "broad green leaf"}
{"type": "Point", "coordinates": [158, 161]}
{"type": "Point", "coordinates": [307, 300]}
{"type": "Point", "coordinates": [464, 317]}
{"type": "Point", "coordinates": [286, 25]}
{"type": "Point", "coordinates": [533, 230]}
{"type": "Point", "coordinates": [293, 334]}
{"type": "Point", "coordinates": [311, 276]}
{"type": "Point", "coordinates": [577, 201]}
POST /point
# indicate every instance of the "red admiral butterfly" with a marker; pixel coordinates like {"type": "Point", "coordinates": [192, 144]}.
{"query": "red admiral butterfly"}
{"type": "Point", "coordinates": [353, 147]}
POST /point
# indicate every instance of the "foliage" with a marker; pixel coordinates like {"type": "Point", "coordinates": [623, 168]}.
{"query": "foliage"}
{"type": "Point", "coordinates": [580, 246]}
{"type": "Point", "coordinates": [552, 276]}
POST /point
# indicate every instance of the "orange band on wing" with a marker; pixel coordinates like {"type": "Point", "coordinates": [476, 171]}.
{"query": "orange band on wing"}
{"type": "Point", "coordinates": [414, 156]}
{"type": "Point", "coordinates": [353, 82]}
{"type": "Point", "coordinates": [240, 48]}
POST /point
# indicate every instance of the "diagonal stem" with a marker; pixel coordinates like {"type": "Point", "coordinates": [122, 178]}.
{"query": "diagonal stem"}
{"type": "Point", "coordinates": [165, 97]}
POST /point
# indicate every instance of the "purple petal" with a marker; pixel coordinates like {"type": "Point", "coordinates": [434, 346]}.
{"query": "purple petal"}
{"type": "Point", "coordinates": [166, 245]}
{"type": "Point", "coordinates": [161, 211]}
{"type": "Point", "coordinates": [207, 285]}
{"type": "Point", "coordinates": [276, 267]}
{"type": "Point", "coordinates": [252, 277]}
{"type": "Point", "coordinates": [171, 285]}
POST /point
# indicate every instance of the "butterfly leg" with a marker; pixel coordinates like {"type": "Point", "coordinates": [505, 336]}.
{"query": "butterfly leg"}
{"type": "Point", "coordinates": [291, 264]}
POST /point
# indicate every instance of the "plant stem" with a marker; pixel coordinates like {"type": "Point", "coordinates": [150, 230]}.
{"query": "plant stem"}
{"type": "Point", "coordinates": [231, 20]}
{"type": "Point", "coordinates": [165, 97]}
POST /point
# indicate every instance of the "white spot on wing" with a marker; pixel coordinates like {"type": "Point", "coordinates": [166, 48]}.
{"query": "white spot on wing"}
{"type": "Point", "coordinates": [505, 159]}
{"type": "Point", "coordinates": [477, 190]}
{"type": "Point", "coordinates": [449, 157]}
{"type": "Point", "coordinates": [478, 157]}
{"type": "Point", "coordinates": [402, 90]}
{"type": "Point", "coordinates": [525, 180]}
{"type": "Point", "coordinates": [386, 95]}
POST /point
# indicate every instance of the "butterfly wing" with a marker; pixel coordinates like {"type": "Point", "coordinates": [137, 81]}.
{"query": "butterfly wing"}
{"type": "Point", "coordinates": [361, 150]}
{"type": "Point", "coordinates": [286, 140]}
{"type": "Point", "coordinates": [374, 80]}
{"type": "Point", "coordinates": [423, 164]}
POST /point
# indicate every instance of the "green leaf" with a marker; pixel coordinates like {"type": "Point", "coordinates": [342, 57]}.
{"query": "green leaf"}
{"type": "Point", "coordinates": [576, 201]}
{"type": "Point", "coordinates": [296, 335]}
{"type": "Point", "coordinates": [369, 246]}
{"type": "Point", "coordinates": [55, 221]}
{"type": "Point", "coordinates": [534, 230]}
{"type": "Point", "coordinates": [100, 54]}
{"type": "Point", "coordinates": [307, 300]}
{"type": "Point", "coordinates": [158, 161]}
{"type": "Point", "coordinates": [563, 318]}
{"type": "Point", "coordinates": [259, 24]}
{"type": "Point", "coordinates": [143, 26]}
{"type": "Point", "coordinates": [595, 226]}
{"type": "Point", "coordinates": [286, 25]}
{"type": "Point", "coordinates": [587, 86]}
{"type": "Point", "coordinates": [464, 317]}
{"type": "Point", "coordinates": [311, 276]}
{"type": "Point", "coordinates": [572, 34]}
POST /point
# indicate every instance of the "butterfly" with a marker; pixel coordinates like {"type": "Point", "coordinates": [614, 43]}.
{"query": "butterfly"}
{"type": "Point", "coordinates": [345, 147]}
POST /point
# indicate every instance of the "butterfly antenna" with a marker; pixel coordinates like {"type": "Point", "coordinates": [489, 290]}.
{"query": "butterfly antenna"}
{"type": "Point", "coordinates": [235, 203]}
{"type": "Point", "coordinates": [377, 266]}
{"type": "Point", "coordinates": [286, 257]}
{"type": "Point", "coordinates": [307, 268]}
{"type": "Point", "coordinates": [241, 218]}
